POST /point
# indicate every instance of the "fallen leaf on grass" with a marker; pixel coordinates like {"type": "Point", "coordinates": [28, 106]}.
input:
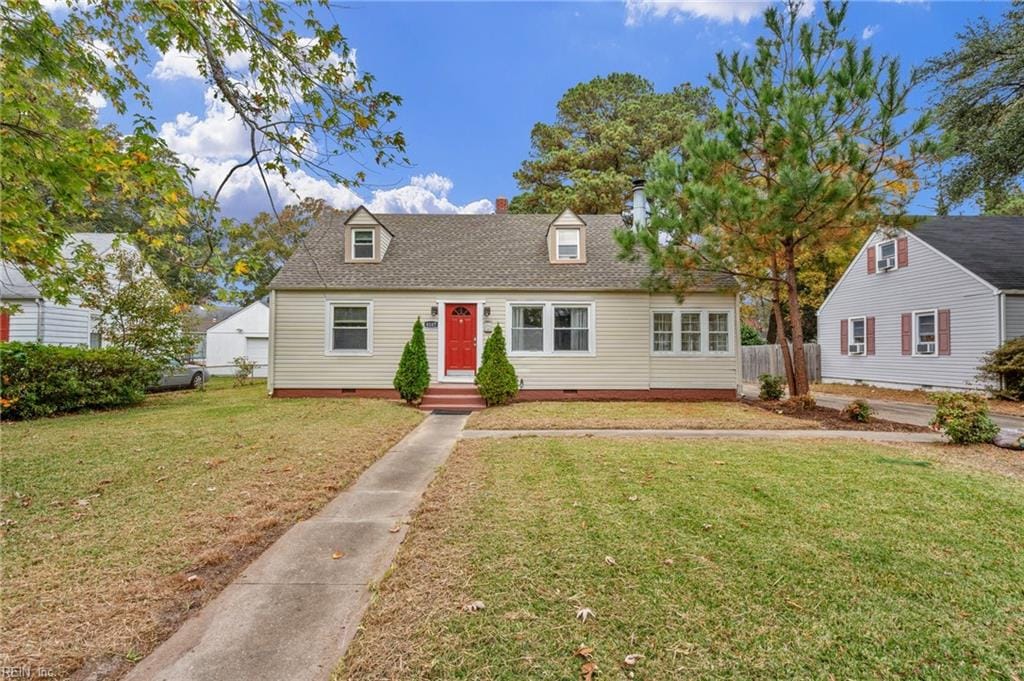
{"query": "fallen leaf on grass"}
{"type": "Point", "coordinates": [669, 561]}
{"type": "Point", "coordinates": [337, 554]}
{"type": "Point", "coordinates": [609, 560]}
{"type": "Point", "coordinates": [584, 651]}
{"type": "Point", "coordinates": [706, 526]}
{"type": "Point", "coordinates": [587, 671]}
{"type": "Point", "coordinates": [394, 529]}
{"type": "Point", "coordinates": [631, 659]}
{"type": "Point", "coordinates": [634, 498]}
{"type": "Point", "coordinates": [583, 614]}
{"type": "Point", "coordinates": [475, 606]}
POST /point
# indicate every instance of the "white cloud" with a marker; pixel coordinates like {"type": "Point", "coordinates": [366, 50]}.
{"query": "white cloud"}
{"type": "Point", "coordinates": [869, 31]}
{"type": "Point", "coordinates": [95, 100]}
{"type": "Point", "coordinates": [723, 11]}
{"type": "Point", "coordinates": [217, 141]}
{"type": "Point", "coordinates": [175, 63]}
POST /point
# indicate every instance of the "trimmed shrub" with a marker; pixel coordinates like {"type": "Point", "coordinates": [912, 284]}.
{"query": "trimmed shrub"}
{"type": "Point", "coordinates": [1005, 365]}
{"type": "Point", "coordinates": [858, 410]}
{"type": "Point", "coordinates": [771, 388]}
{"type": "Point", "coordinates": [496, 378]}
{"type": "Point", "coordinates": [963, 417]}
{"type": "Point", "coordinates": [43, 380]}
{"type": "Point", "coordinates": [750, 336]}
{"type": "Point", "coordinates": [413, 376]}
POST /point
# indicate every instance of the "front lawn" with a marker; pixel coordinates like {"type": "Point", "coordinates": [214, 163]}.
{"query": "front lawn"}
{"type": "Point", "coordinates": [710, 559]}
{"type": "Point", "coordinates": [118, 524]}
{"type": "Point", "coordinates": [660, 415]}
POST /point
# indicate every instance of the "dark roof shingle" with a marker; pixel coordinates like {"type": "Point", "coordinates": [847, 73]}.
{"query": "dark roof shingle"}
{"type": "Point", "coordinates": [990, 246]}
{"type": "Point", "coordinates": [494, 251]}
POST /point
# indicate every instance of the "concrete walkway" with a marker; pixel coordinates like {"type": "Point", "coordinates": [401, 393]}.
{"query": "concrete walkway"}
{"type": "Point", "coordinates": [295, 609]}
{"type": "Point", "coordinates": [891, 410]}
{"type": "Point", "coordinates": [870, 435]}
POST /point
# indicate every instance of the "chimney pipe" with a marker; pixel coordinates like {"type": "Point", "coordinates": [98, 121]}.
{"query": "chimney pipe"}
{"type": "Point", "coordinates": [500, 205]}
{"type": "Point", "coordinates": [639, 205]}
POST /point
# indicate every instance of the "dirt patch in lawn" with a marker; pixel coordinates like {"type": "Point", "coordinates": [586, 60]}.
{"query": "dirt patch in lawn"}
{"type": "Point", "coordinates": [996, 406]}
{"type": "Point", "coordinates": [119, 525]}
{"type": "Point", "coordinates": [707, 559]}
{"type": "Point", "coordinates": [831, 419]}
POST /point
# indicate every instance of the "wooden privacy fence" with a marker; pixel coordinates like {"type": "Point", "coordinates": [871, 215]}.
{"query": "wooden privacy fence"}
{"type": "Point", "coordinates": [767, 359]}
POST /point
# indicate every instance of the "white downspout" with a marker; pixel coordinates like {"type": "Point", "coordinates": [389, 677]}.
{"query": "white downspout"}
{"type": "Point", "coordinates": [270, 345]}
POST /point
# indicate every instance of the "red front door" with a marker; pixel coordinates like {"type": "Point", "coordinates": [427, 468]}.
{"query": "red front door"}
{"type": "Point", "coordinates": [459, 337]}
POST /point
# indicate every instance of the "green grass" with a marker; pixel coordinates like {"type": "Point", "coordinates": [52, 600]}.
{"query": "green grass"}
{"type": "Point", "coordinates": [105, 514]}
{"type": "Point", "coordinates": [767, 559]}
{"type": "Point", "coordinates": [582, 414]}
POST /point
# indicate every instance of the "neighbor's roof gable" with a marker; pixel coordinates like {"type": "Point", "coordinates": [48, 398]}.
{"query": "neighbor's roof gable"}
{"type": "Point", "coordinates": [494, 251]}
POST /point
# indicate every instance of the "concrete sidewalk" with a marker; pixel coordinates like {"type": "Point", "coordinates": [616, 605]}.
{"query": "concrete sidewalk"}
{"type": "Point", "coordinates": [295, 609]}
{"type": "Point", "coordinates": [750, 434]}
{"type": "Point", "coordinates": [901, 412]}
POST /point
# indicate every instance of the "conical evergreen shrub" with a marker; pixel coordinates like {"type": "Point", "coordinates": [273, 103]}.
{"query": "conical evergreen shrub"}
{"type": "Point", "coordinates": [413, 376]}
{"type": "Point", "coordinates": [496, 378]}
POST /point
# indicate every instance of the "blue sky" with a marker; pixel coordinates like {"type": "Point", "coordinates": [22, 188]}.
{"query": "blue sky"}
{"type": "Point", "coordinates": [475, 77]}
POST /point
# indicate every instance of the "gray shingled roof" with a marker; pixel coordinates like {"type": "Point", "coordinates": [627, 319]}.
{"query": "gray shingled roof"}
{"type": "Point", "coordinates": [991, 247]}
{"type": "Point", "coordinates": [468, 252]}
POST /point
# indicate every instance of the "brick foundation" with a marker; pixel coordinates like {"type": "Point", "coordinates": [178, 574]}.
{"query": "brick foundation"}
{"type": "Point", "coordinates": [664, 394]}
{"type": "Point", "coordinates": [381, 393]}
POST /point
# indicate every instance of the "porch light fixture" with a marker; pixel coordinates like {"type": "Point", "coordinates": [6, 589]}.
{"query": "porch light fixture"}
{"type": "Point", "coordinates": [487, 312]}
{"type": "Point", "coordinates": [433, 310]}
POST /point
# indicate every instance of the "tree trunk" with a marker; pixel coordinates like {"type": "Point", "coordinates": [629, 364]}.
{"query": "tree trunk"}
{"type": "Point", "coordinates": [780, 338]}
{"type": "Point", "coordinates": [796, 328]}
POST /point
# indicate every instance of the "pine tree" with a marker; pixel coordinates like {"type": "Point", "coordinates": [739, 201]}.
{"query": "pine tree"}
{"type": "Point", "coordinates": [413, 376]}
{"type": "Point", "coordinates": [496, 378]}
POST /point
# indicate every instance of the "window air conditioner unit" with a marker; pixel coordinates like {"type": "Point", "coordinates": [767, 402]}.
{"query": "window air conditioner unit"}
{"type": "Point", "coordinates": [856, 348]}
{"type": "Point", "coordinates": [926, 348]}
{"type": "Point", "coordinates": [886, 263]}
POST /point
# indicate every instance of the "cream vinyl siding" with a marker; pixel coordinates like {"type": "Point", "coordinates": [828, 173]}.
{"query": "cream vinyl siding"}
{"type": "Point", "coordinates": [930, 281]}
{"type": "Point", "coordinates": [621, 358]}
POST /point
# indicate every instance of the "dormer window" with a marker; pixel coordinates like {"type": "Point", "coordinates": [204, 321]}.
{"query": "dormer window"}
{"type": "Point", "coordinates": [568, 243]}
{"type": "Point", "coordinates": [362, 244]}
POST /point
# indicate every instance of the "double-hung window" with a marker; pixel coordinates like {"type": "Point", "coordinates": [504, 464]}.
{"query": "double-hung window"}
{"type": "Point", "coordinates": [567, 241]}
{"type": "Point", "coordinates": [858, 336]}
{"type": "Point", "coordinates": [661, 332]}
{"type": "Point", "coordinates": [691, 332]}
{"type": "Point", "coordinates": [887, 255]}
{"type": "Point", "coordinates": [350, 328]}
{"type": "Point", "coordinates": [527, 328]}
{"type": "Point", "coordinates": [572, 328]}
{"type": "Point", "coordinates": [551, 328]}
{"type": "Point", "coordinates": [362, 244]}
{"type": "Point", "coordinates": [925, 336]}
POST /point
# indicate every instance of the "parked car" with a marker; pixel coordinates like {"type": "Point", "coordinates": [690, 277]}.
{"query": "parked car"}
{"type": "Point", "coordinates": [183, 375]}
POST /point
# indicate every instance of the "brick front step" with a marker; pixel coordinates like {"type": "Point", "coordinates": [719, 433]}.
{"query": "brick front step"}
{"type": "Point", "coordinates": [452, 398]}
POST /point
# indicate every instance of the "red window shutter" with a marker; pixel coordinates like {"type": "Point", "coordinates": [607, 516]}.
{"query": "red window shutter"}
{"type": "Point", "coordinates": [5, 327]}
{"type": "Point", "coordinates": [944, 348]}
{"type": "Point", "coordinates": [844, 344]}
{"type": "Point", "coordinates": [902, 257]}
{"type": "Point", "coordinates": [871, 259]}
{"type": "Point", "coordinates": [869, 332]}
{"type": "Point", "coordinates": [906, 322]}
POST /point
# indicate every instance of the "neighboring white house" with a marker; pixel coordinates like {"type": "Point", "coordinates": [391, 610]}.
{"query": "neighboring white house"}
{"type": "Point", "coordinates": [44, 321]}
{"type": "Point", "coordinates": [920, 308]}
{"type": "Point", "coordinates": [580, 322]}
{"type": "Point", "coordinates": [244, 334]}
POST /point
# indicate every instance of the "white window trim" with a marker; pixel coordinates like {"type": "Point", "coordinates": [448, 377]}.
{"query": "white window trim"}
{"type": "Point", "coordinates": [549, 328]}
{"type": "Point", "coordinates": [329, 328]}
{"type": "Point", "coordinates": [915, 336]}
{"type": "Point", "coordinates": [705, 332]}
{"type": "Point", "coordinates": [373, 242]}
{"type": "Point", "coordinates": [579, 239]}
{"type": "Point", "coordinates": [895, 255]}
{"type": "Point", "coordinates": [673, 331]}
{"type": "Point", "coordinates": [849, 336]}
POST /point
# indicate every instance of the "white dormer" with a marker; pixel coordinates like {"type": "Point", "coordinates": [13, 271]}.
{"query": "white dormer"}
{"type": "Point", "coordinates": [366, 239]}
{"type": "Point", "coordinates": [567, 239]}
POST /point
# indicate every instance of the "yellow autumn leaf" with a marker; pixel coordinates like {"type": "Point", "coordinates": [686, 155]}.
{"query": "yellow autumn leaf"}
{"type": "Point", "coordinates": [241, 267]}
